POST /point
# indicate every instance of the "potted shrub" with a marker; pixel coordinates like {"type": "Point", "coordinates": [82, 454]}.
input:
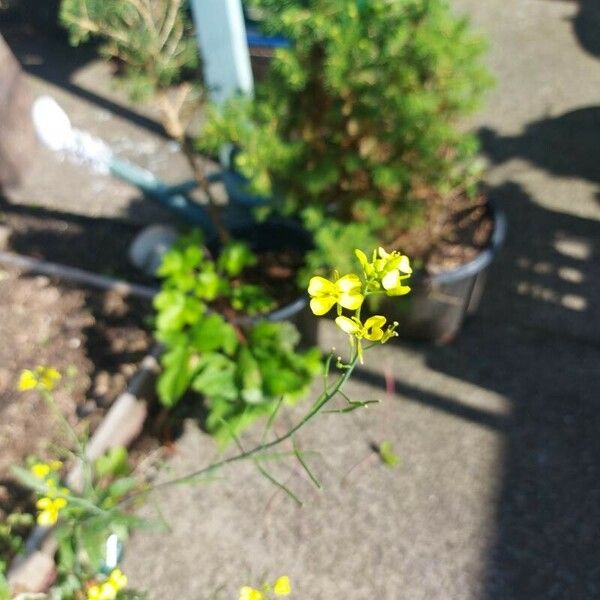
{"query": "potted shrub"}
{"type": "Point", "coordinates": [356, 128]}
{"type": "Point", "coordinates": [217, 293]}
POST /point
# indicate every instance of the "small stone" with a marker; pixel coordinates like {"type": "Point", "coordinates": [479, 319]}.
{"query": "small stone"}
{"type": "Point", "coordinates": [74, 343]}
{"type": "Point", "coordinates": [42, 281]}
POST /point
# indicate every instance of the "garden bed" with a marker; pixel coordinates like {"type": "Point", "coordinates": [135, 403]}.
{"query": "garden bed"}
{"type": "Point", "coordinates": [96, 339]}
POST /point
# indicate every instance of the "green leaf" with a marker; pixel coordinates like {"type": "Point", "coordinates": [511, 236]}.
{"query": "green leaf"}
{"type": "Point", "coordinates": [122, 486]}
{"type": "Point", "coordinates": [113, 463]}
{"type": "Point", "coordinates": [27, 478]}
{"type": "Point", "coordinates": [249, 376]}
{"type": "Point", "coordinates": [387, 454]}
{"type": "Point", "coordinates": [215, 376]}
{"type": "Point", "coordinates": [4, 588]}
{"type": "Point", "coordinates": [235, 257]}
{"type": "Point", "coordinates": [176, 375]}
{"type": "Point", "coordinates": [213, 333]}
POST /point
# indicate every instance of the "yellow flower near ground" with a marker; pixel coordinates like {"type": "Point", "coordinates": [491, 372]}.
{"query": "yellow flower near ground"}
{"type": "Point", "coordinates": [49, 509]}
{"type": "Point", "coordinates": [248, 593]}
{"type": "Point", "coordinates": [27, 381]}
{"type": "Point", "coordinates": [109, 589]}
{"type": "Point", "coordinates": [282, 587]}
{"type": "Point", "coordinates": [41, 377]}
{"type": "Point", "coordinates": [42, 470]}
{"type": "Point", "coordinates": [118, 579]}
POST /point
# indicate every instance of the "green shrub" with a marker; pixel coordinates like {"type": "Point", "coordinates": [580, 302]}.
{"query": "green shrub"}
{"type": "Point", "coordinates": [356, 122]}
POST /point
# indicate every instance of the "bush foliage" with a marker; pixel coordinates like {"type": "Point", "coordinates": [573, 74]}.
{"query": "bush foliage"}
{"type": "Point", "coordinates": [355, 126]}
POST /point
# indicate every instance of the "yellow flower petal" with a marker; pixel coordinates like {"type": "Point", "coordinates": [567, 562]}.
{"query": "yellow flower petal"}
{"type": "Point", "coordinates": [248, 593]}
{"type": "Point", "coordinates": [43, 503]}
{"type": "Point", "coordinates": [404, 265]}
{"type": "Point", "coordinates": [118, 579]}
{"type": "Point", "coordinates": [282, 586]}
{"type": "Point", "coordinates": [48, 376]}
{"type": "Point", "coordinates": [319, 286]}
{"type": "Point", "coordinates": [347, 325]}
{"type": "Point", "coordinates": [27, 381]}
{"type": "Point", "coordinates": [108, 591]}
{"type": "Point", "coordinates": [401, 290]}
{"type": "Point", "coordinates": [351, 301]}
{"type": "Point", "coordinates": [93, 593]}
{"type": "Point", "coordinates": [47, 518]}
{"type": "Point", "coordinates": [349, 283]}
{"type": "Point", "coordinates": [320, 306]}
{"type": "Point", "coordinates": [59, 503]}
{"type": "Point", "coordinates": [55, 465]}
{"type": "Point", "coordinates": [390, 280]}
{"type": "Point", "coordinates": [373, 328]}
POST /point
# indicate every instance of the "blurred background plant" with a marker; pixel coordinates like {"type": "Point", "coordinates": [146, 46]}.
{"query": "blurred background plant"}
{"type": "Point", "coordinates": [88, 525]}
{"type": "Point", "coordinates": [356, 126]}
{"type": "Point", "coordinates": [153, 46]}
{"type": "Point", "coordinates": [213, 345]}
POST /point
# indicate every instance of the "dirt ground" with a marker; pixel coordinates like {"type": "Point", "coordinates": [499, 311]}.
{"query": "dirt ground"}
{"type": "Point", "coordinates": [98, 338]}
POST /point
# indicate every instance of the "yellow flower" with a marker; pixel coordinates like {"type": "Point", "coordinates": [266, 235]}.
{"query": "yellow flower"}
{"type": "Point", "coordinates": [44, 378]}
{"type": "Point", "coordinates": [346, 291]}
{"type": "Point", "coordinates": [93, 592]}
{"type": "Point", "coordinates": [108, 590]}
{"type": "Point", "coordinates": [371, 330]}
{"type": "Point", "coordinates": [118, 579]}
{"type": "Point", "coordinates": [27, 381]}
{"type": "Point", "coordinates": [42, 470]}
{"type": "Point", "coordinates": [248, 593]}
{"type": "Point", "coordinates": [49, 509]}
{"type": "Point", "coordinates": [282, 586]}
{"type": "Point", "coordinates": [104, 591]}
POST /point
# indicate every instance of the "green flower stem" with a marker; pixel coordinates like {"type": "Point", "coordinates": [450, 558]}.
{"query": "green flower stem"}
{"type": "Point", "coordinates": [51, 403]}
{"type": "Point", "coordinates": [321, 401]}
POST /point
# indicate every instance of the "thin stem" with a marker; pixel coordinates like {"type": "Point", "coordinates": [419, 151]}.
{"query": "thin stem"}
{"type": "Point", "coordinates": [50, 402]}
{"type": "Point", "coordinates": [323, 399]}
{"type": "Point", "coordinates": [203, 183]}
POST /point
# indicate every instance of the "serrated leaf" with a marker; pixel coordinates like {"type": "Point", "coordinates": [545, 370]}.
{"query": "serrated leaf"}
{"type": "Point", "coordinates": [213, 332]}
{"type": "Point", "coordinates": [215, 376]}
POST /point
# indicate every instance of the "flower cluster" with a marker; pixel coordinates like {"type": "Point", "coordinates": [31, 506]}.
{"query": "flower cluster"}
{"type": "Point", "coordinates": [41, 378]}
{"type": "Point", "coordinates": [108, 590]}
{"type": "Point", "coordinates": [386, 273]}
{"type": "Point", "coordinates": [50, 505]}
{"type": "Point", "coordinates": [281, 587]}
{"type": "Point", "coordinates": [45, 470]}
{"type": "Point", "coordinates": [49, 508]}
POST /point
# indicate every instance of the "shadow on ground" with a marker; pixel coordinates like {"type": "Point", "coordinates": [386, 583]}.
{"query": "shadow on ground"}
{"type": "Point", "coordinates": [536, 341]}
{"type": "Point", "coordinates": [586, 26]}
{"type": "Point", "coordinates": [565, 146]}
{"type": "Point", "coordinates": [48, 56]}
